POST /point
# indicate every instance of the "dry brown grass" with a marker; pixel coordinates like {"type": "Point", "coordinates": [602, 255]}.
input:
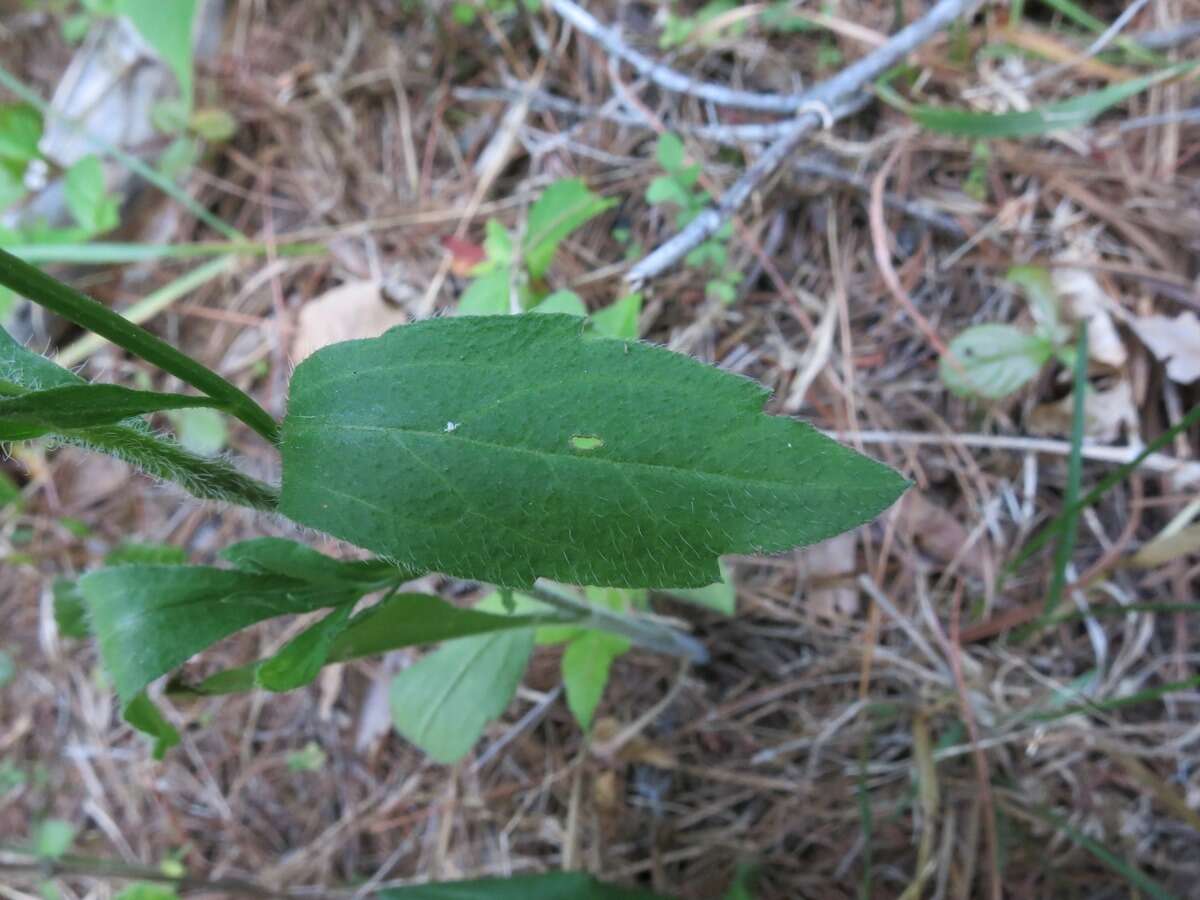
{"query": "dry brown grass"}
{"type": "Point", "coordinates": [828, 741]}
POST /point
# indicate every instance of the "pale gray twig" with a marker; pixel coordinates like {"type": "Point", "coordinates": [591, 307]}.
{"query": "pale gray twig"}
{"type": "Point", "coordinates": [832, 95]}
{"type": "Point", "coordinates": [1167, 38]}
{"type": "Point", "coordinates": [731, 135]}
{"type": "Point", "coordinates": [663, 75]}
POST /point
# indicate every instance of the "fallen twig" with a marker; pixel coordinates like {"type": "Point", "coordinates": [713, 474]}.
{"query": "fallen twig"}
{"type": "Point", "coordinates": [832, 96]}
{"type": "Point", "coordinates": [663, 75]}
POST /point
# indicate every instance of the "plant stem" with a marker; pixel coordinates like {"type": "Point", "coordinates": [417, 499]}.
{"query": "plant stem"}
{"type": "Point", "coordinates": [643, 632]}
{"type": "Point", "coordinates": [67, 302]}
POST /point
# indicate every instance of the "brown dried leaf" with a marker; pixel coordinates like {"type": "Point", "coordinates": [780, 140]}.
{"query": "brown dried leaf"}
{"type": "Point", "coordinates": [1105, 412]}
{"type": "Point", "coordinates": [351, 311]}
{"type": "Point", "coordinates": [827, 570]}
{"type": "Point", "coordinates": [1165, 548]}
{"type": "Point", "coordinates": [938, 532]}
{"type": "Point", "coordinates": [1085, 300]}
{"type": "Point", "coordinates": [1175, 341]}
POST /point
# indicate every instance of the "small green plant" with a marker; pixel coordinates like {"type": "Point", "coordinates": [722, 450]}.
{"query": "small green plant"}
{"type": "Point", "coordinates": [678, 188]}
{"type": "Point", "coordinates": [992, 361]}
{"type": "Point", "coordinates": [92, 207]}
{"type": "Point", "coordinates": [530, 452]}
{"type": "Point", "coordinates": [701, 25]}
{"type": "Point", "coordinates": [512, 277]}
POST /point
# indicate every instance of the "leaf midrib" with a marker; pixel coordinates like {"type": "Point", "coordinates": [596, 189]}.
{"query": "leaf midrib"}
{"type": "Point", "coordinates": [822, 485]}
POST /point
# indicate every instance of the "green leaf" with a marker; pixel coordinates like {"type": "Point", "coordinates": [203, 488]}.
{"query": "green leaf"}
{"type": "Point", "coordinates": [487, 295]}
{"type": "Point", "coordinates": [497, 243]}
{"type": "Point", "coordinates": [309, 759]}
{"type": "Point", "coordinates": [669, 152]}
{"type": "Point", "coordinates": [563, 207]}
{"type": "Point", "coordinates": [72, 407]}
{"type": "Point", "coordinates": [721, 596]}
{"type": "Point", "coordinates": [150, 619]}
{"type": "Point", "coordinates": [130, 553]}
{"type": "Point", "coordinates": [53, 838]}
{"type": "Point", "coordinates": [20, 132]}
{"type": "Point", "coordinates": [213, 124]}
{"type": "Point", "coordinates": [88, 198]}
{"type": "Point", "coordinates": [1063, 116]}
{"type": "Point", "coordinates": [443, 702]}
{"type": "Point", "coordinates": [550, 886]}
{"type": "Point", "coordinates": [458, 445]}
{"type": "Point", "coordinates": [666, 189]}
{"type": "Point", "coordinates": [8, 668]}
{"type": "Point", "coordinates": [12, 188]}
{"type": "Point", "coordinates": [298, 663]}
{"type": "Point", "coordinates": [146, 891]}
{"type": "Point", "coordinates": [278, 556]}
{"type": "Point", "coordinates": [167, 28]}
{"type": "Point", "coordinates": [620, 318]}
{"type": "Point", "coordinates": [993, 361]}
{"type": "Point", "coordinates": [585, 667]}
{"type": "Point", "coordinates": [401, 620]}
{"type": "Point", "coordinates": [566, 302]}
{"type": "Point", "coordinates": [202, 431]}
{"type": "Point", "coordinates": [1043, 300]}
{"type": "Point", "coordinates": [70, 611]}
{"type": "Point", "coordinates": [9, 492]}
{"type": "Point", "coordinates": [142, 714]}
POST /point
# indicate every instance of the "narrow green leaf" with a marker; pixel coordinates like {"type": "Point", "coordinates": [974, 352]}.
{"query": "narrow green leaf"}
{"type": "Point", "coordinates": [112, 253]}
{"type": "Point", "coordinates": [146, 891]}
{"type": "Point", "coordinates": [408, 620]}
{"type": "Point", "coordinates": [563, 207]}
{"type": "Point", "coordinates": [443, 702]}
{"type": "Point", "coordinates": [1063, 116]}
{"type": "Point", "coordinates": [72, 407]}
{"type": "Point", "coordinates": [298, 663]}
{"type": "Point", "coordinates": [585, 667]}
{"type": "Point", "coordinates": [401, 620]}
{"type": "Point", "coordinates": [550, 886]}
{"type": "Point", "coordinates": [278, 556]}
{"type": "Point", "coordinates": [1066, 541]}
{"type": "Point", "coordinates": [1136, 878]}
{"type": "Point", "coordinates": [506, 448]}
{"type": "Point", "coordinates": [150, 619]}
{"type": "Point", "coordinates": [166, 27]}
{"type": "Point", "coordinates": [135, 554]}
{"type": "Point", "coordinates": [142, 714]}
{"type": "Point", "coordinates": [992, 361]}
